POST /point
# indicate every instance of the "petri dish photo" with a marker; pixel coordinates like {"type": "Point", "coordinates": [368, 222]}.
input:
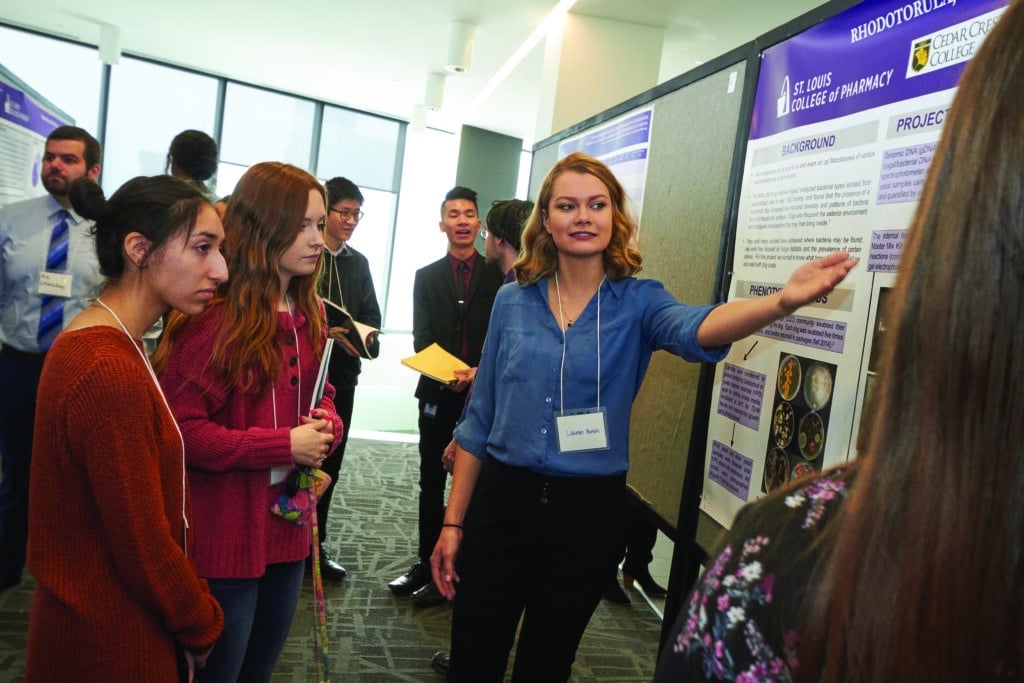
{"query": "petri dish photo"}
{"type": "Point", "coordinates": [811, 436]}
{"type": "Point", "coordinates": [776, 469]}
{"type": "Point", "coordinates": [818, 386]}
{"type": "Point", "coordinates": [789, 377]}
{"type": "Point", "coordinates": [802, 469]}
{"type": "Point", "coordinates": [783, 424]}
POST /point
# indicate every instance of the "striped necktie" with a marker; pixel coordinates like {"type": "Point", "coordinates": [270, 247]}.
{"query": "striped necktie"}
{"type": "Point", "coordinates": [51, 314]}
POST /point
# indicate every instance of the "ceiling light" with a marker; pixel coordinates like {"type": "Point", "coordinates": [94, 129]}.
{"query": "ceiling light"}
{"type": "Point", "coordinates": [433, 97]}
{"type": "Point", "coordinates": [418, 121]}
{"type": "Point", "coordinates": [460, 47]}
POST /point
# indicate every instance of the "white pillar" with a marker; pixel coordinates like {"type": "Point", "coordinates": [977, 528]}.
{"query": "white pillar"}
{"type": "Point", "coordinates": [591, 64]}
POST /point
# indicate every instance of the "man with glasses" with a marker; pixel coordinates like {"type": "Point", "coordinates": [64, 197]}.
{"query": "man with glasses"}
{"type": "Point", "coordinates": [345, 280]}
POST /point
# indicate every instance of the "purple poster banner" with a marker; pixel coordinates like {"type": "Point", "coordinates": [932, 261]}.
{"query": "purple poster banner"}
{"type": "Point", "coordinates": [873, 54]}
{"type": "Point", "coordinates": [19, 109]}
{"type": "Point", "coordinates": [632, 130]}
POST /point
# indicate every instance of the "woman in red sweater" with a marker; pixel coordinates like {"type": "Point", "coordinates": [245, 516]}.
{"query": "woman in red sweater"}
{"type": "Point", "coordinates": [240, 378]}
{"type": "Point", "coordinates": [117, 591]}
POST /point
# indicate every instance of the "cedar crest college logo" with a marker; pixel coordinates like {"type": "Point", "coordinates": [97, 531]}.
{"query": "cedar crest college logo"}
{"type": "Point", "coordinates": [919, 55]}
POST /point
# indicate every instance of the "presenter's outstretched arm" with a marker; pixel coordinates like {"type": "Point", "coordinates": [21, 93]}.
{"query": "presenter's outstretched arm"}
{"type": "Point", "coordinates": [738, 319]}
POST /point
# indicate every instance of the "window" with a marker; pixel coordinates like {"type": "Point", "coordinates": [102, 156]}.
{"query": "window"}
{"type": "Point", "coordinates": [430, 163]}
{"type": "Point", "coordinates": [66, 74]}
{"type": "Point", "coordinates": [228, 176]}
{"type": "Point", "coordinates": [260, 125]}
{"type": "Point", "coordinates": [149, 104]}
{"type": "Point", "coordinates": [373, 236]}
{"type": "Point", "coordinates": [360, 147]}
{"type": "Point", "coordinates": [523, 181]}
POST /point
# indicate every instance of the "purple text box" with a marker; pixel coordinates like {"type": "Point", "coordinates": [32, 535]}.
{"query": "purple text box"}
{"type": "Point", "coordinates": [902, 174]}
{"type": "Point", "coordinates": [886, 247]}
{"type": "Point", "coordinates": [829, 335]}
{"type": "Point", "coordinates": [741, 395]}
{"type": "Point", "coordinates": [730, 469]}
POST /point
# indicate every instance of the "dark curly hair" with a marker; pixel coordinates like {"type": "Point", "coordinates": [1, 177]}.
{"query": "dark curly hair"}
{"type": "Point", "coordinates": [193, 156]}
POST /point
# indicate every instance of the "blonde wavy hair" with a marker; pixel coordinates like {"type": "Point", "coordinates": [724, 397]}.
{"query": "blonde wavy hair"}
{"type": "Point", "coordinates": [539, 257]}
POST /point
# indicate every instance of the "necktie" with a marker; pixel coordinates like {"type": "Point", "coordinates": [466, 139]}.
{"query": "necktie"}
{"type": "Point", "coordinates": [51, 314]}
{"type": "Point", "coordinates": [461, 282]}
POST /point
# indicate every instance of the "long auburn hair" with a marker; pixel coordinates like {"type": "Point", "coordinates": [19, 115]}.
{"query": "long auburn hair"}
{"type": "Point", "coordinates": [539, 256]}
{"type": "Point", "coordinates": [262, 220]}
{"type": "Point", "coordinates": [924, 580]}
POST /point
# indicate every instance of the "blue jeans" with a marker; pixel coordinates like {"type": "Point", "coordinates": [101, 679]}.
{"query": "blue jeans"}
{"type": "Point", "coordinates": [257, 618]}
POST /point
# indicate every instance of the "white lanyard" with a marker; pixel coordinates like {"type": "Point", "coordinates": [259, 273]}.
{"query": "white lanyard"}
{"type": "Point", "coordinates": [149, 367]}
{"type": "Point", "coordinates": [561, 319]}
{"type": "Point", "coordinates": [333, 274]}
{"type": "Point", "coordinates": [583, 429]}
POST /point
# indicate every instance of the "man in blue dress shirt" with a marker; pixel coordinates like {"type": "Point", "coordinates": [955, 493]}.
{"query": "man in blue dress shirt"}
{"type": "Point", "coordinates": [48, 274]}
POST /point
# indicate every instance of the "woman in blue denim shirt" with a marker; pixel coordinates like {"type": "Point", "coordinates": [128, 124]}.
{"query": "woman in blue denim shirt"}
{"type": "Point", "coordinates": [535, 516]}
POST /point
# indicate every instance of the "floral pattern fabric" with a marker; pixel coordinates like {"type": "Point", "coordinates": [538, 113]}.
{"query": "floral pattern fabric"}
{"type": "Point", "coordinates": [740, 622]}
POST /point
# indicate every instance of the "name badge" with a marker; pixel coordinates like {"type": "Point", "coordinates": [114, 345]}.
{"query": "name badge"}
{"type": "Point", "coordinates": [52, 283]}
{"type": "Point", "coordinates": [583, 431]}
{"type": "Point", "coordinates": [278, 474]}
{"type": "Point", "coordinates": [430, 409]}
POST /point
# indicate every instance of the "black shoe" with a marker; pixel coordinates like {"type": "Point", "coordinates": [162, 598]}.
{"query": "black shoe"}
{"type": "Point", "coordinates": [329, 568]}
{"type": "Point", "coordinates": [646, 581]}
{"type": "Point", "coordinates": [613, 593]}
{"type": "Point", "coordinates": [440, 662]}
{"type": "Point", "coordinates": [416, 578]}
{"type": "Point", "coordinates": [428, 596]}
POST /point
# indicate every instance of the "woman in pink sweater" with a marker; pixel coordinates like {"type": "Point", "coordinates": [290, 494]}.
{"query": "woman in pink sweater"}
{"type": "Point", "coordinates": [240, 378]}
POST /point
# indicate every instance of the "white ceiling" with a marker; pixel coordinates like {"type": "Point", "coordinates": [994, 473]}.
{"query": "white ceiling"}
{"type": "Point", "coordinates": [375, 56]}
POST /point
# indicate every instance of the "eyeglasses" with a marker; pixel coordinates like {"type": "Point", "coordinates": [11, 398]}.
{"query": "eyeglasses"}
{"type": "Point", "coordinates": [349, 215]}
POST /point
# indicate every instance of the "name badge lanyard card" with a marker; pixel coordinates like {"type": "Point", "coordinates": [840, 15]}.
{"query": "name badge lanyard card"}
{"type": "Point", "coordinates": [585, 429]}
{"type": "Point", "coordinates": [174, 421]}
{"type": "Point", "coordinates": [55, 282]}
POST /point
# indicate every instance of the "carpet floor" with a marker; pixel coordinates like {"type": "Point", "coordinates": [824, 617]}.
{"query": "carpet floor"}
{"type": "Point", "coordinates": [373, 635]}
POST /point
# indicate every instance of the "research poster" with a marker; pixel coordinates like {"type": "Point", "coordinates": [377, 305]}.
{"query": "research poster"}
{"type": "Point", "coordinates": [623, 144]}
{"type": "Point", "coordinates": [846, 119]}
{"type": "Point", "coordinates": [25, 121]}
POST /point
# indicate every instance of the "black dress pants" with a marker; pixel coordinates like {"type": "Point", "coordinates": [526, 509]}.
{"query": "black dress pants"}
{"type": "Point", "coordinates": [19, 381]}
{"type": "Point", "coordinates": [436, 423]}
{"type": "Point", "coordinates": [538, 548]}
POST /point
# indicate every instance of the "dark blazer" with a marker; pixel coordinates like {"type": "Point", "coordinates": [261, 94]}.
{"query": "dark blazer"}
{"type": "Point", "coordinates": [437, 316]}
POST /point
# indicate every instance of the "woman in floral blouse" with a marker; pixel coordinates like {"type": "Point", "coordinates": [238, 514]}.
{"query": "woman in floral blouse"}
{"type": "Point", "coordinates": [906, 565]}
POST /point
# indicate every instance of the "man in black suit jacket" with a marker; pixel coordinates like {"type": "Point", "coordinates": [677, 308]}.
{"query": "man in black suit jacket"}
{"type": "Point", "coordinates": [452, 300]}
